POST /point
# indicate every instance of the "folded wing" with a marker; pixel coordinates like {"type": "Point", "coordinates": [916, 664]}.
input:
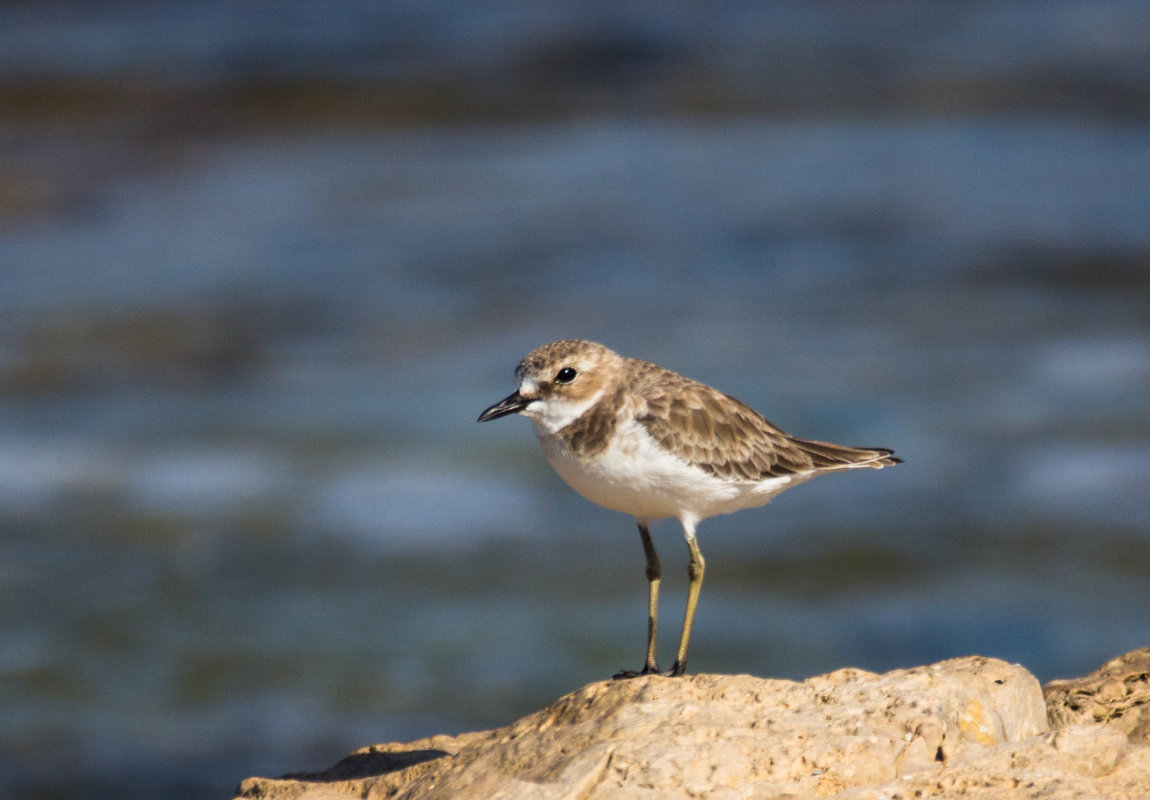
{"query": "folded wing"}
{"type": "Point", "coordinates": [727, 438]}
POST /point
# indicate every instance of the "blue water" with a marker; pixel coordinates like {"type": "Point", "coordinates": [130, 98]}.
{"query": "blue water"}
{"type": "Point", "coordinates": [247, 520]}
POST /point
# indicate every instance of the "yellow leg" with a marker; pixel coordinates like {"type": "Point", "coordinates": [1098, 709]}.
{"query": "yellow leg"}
{"type": "Point", "coordinates": [654, 573]}
{"type": "Point", "coordinates": [695, 575]}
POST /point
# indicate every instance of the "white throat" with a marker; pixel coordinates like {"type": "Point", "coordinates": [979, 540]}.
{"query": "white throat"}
{"type": "Point", "coordinates": [554, 414]}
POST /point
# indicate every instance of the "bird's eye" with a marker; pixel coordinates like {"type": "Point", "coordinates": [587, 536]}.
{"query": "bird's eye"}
{"type": "Point", "coordinates": [565, 375]}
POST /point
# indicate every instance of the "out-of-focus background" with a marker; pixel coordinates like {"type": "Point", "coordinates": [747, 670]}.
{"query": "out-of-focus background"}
{"type": "Point", "coordinates": [262, 263]}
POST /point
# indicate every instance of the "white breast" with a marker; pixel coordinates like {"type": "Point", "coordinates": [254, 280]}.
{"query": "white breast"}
{"type": "Point", "coordinates": [638, 477]}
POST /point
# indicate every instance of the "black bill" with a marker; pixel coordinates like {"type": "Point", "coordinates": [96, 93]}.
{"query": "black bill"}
{"type": "Point", "coordinates": [510, 404]}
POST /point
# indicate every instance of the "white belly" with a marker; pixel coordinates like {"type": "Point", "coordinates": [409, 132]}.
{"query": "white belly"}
{"type": "Point", "coordinates": [636, 476]}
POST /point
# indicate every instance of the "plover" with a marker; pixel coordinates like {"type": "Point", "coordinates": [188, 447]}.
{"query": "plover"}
{"type": "Point", "coordinates": [638, 438]}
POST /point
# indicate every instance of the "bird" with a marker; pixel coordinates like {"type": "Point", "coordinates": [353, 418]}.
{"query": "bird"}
{"type": "Point", "coordinates": [640, 439]}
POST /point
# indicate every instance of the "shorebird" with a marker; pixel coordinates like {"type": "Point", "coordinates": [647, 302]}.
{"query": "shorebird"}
{"type": "Point", "coordinates": [634, 437]}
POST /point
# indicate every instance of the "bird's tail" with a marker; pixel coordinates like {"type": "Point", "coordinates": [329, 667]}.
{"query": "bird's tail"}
{"type": "Point", "coordinates": [836, 456]}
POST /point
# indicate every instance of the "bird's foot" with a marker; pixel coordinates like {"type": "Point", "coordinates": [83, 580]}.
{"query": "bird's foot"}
{"type": "Point", "coordinates": [674, 672]}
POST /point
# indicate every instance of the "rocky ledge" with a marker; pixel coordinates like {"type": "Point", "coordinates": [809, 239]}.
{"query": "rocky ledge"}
{"type": "Point", "coordinates": [969, 727]}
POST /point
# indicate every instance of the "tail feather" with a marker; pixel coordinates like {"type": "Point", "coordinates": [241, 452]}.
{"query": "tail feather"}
{"type": "Point", "coordinates": [826, 455]}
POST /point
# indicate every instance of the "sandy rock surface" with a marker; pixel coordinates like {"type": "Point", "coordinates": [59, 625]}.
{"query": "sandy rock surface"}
{"type": "Point", "coordinates": [1117, 693]}
{"type": "Point", "coordinates": [969, 727]}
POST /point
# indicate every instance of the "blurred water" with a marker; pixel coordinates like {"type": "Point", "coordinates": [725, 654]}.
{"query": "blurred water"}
{"type": "Point", "coordinates": [247, 521]}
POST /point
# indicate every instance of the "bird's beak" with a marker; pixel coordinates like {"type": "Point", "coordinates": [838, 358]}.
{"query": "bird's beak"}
{"type": "Point", "coordinates": [510, 404]}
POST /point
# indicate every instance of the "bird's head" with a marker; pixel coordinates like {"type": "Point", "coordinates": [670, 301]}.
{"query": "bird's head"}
{"type": "Point", "coordinates": [558, 382]}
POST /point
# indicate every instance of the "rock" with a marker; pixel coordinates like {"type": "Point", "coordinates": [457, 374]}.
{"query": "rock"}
{"type": "Point", "coordinates": [969, 727]}
{"type": "Point", "coordinates": [1117, 693]}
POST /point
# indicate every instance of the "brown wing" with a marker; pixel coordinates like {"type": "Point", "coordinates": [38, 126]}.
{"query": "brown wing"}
{"type": "Point", "coordinates": [728, 438]}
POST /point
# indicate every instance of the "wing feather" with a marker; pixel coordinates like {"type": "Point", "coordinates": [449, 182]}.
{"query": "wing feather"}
{"type": "Point", "coordinates": [727, 438]}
